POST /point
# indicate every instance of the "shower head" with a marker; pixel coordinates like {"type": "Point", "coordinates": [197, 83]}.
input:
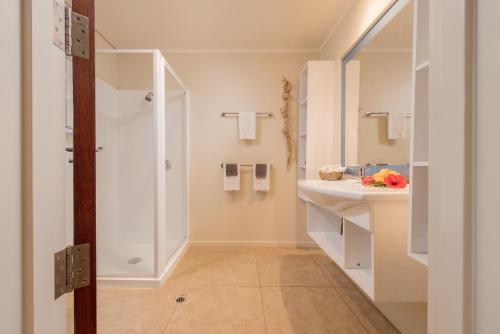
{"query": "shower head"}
{"type": "Point", "coordinates": [149, 97]}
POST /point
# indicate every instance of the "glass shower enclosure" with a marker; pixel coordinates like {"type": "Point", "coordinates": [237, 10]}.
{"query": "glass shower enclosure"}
{"type": "Point", "coordinates": [142, 110]}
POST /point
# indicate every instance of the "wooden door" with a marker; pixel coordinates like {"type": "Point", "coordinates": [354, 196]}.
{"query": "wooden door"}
{"type": "Point", "coordinates": [84, 172]}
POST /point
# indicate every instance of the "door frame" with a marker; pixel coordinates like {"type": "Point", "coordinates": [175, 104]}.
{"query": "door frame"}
{"type": "Point", "coordinates": [84, 171]}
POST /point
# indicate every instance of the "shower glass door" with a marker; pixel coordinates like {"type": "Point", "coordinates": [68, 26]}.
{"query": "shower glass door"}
{"type": "Point", "coordinates": [175, 164]}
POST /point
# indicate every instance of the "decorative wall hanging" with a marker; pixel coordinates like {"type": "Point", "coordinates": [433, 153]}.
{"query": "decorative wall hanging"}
{"type": "Point", "coordinates": [286, 120]}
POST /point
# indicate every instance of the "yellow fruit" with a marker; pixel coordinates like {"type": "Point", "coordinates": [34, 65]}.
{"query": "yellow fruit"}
{"type": "Point", "coordinates": [382, 174]}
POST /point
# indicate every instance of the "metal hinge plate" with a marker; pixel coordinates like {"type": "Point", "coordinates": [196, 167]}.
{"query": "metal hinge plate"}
{"type": "Point", "coordinates": [71, 269]}
{"type": "Point", "coordinates": [71, 31]}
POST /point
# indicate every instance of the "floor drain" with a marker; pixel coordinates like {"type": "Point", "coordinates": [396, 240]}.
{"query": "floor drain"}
{"type": "Point", "coordinates": [180, 299]}
{"type": "Point", "coordinates": [134, 260]}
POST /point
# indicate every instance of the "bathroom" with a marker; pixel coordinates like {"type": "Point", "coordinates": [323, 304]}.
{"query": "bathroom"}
{"type": "Point", "coordinates": [234, 220]}
{"type": "Point", "coordinates": [244, 167]}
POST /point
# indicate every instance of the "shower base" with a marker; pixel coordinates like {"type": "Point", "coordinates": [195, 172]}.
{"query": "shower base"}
{"type": "Point", "coordinates": [114, 270]}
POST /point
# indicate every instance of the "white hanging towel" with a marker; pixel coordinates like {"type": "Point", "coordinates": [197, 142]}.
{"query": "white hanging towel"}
{"type": "Point", "coordinates": [396, 125]}
{"type": "Point", "coordinates": [262, 177]}
{"type": "Point", "coordinates": [231, 177]}
{"type": "Point", "coordinates": [247, 124]}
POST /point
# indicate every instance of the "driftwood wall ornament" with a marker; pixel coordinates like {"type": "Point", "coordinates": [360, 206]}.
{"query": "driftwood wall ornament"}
{"type": "Point", "coordinates": [286, 120]}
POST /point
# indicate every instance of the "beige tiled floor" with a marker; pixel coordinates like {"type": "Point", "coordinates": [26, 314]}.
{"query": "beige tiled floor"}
{"type": "Point", "coordinates": [245, 290]}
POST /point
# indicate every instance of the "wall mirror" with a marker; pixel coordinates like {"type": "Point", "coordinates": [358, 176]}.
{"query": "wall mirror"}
{"type": "Point", "coordinates": [376, 91]}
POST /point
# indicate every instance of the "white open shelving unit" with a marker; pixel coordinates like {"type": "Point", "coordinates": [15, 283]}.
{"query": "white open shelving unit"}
{"type": "Point", "coordinates": [419, 147]}
{"type": "Point", "coordinates": [367, 240]}
{"type": "Point", "coordinates": [346, 243]}
{"type": "Point", "coordinates": [316, 105]}
{"type": "Point", "coordinates": [302, 139]}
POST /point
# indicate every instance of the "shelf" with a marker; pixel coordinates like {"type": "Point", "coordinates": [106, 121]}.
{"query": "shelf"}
{"type": "Point", "coordinates": [423, 66]}
{"type": "Point", "coordinates": [418, 229]}
{"type": "Point", "coordinates": [329, 242]}
{"type": "Point", "coordinates": [421, 29]}
{"type": "Point", "coordinates": [326, 241]}
{"type": "Point", "coordinates": [418, 204]}
{"type": "Point", "coordinates": [325, 228]}
{"type": "Point", "coordinates": [364, 279]}
{"type": "Point", "coordinates": [420, 257]}
{"type": "Point", "coordinates": [420, 131]}
{"type": "Point", "coordinates": [316, 83]}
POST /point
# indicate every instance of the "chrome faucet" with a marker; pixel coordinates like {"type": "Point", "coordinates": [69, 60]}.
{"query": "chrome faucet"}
{"type": "Point", "coordinates": [356, 171]}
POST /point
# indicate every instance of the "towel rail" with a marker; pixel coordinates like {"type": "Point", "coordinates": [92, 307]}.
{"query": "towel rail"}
{"type": "Point", "coordinates": [259, 114]}
{"type": "Point", "coordinates": [241, 165]}
{"type": "Point", "coordinates": [383, 114]}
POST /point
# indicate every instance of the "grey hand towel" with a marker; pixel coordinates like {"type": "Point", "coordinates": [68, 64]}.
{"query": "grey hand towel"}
{"type": "Point", "coordinates": [231, 170]}
{"type": "Point", "coordinates": [261, 171]}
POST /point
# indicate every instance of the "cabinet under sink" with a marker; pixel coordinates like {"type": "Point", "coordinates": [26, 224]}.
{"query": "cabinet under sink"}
{"type": "Point", "coordinates": [366, 238]}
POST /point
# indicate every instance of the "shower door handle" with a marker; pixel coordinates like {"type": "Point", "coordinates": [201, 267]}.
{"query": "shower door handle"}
{"type": "Point", "coordinates": [97, 150]}
{"type": "Point", "coordinates": [168, 165]}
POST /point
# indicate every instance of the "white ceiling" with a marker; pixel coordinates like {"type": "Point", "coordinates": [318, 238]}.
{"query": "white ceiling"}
{"type": "Point", "coordinates": [218, 24]}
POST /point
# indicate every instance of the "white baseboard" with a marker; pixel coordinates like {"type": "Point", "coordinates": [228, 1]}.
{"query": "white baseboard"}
{"type": "Point", "coordinates": [310, 244]}
{"type": "Point", "coordinates": [110, 282]}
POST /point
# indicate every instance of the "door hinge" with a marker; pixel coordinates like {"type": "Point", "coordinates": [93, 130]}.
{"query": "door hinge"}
{"type": "Point", "coordinates": [71, 31]}
{"type": "Point", "coordinates": [71, 269]}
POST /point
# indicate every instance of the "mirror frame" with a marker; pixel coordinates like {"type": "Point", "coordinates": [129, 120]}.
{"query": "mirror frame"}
{"type": "Point", "coordinates": [378, 25]}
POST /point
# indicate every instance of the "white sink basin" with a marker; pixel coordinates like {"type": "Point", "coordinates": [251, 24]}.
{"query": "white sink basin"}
{"type": "Point", "coordinates": [339, 195]}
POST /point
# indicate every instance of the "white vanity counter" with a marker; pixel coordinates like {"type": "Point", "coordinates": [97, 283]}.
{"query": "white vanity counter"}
{"type": "Point", "coordinates": [364, 230]}
{"type": "Point", "coordinates": [350, 190]}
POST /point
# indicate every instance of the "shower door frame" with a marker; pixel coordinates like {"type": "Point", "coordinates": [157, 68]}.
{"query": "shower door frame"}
{"type": "Point", "coordinates": [162, 265]}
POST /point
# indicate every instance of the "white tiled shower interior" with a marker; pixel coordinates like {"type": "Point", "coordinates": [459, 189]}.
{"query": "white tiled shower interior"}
{"type": "Point", "coordinates": [125, 181]}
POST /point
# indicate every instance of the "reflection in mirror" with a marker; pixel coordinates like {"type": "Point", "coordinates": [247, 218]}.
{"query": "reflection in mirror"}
{"type": "Point", "coordinates": [377, 93]}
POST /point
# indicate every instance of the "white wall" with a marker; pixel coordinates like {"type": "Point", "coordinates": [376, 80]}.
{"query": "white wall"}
{"type": "Point", "coordinates": [10, 176]}
{"type": "Point", "coordinates": [385, 86]}
{"type": "Point", "coordinates": [233, 83]}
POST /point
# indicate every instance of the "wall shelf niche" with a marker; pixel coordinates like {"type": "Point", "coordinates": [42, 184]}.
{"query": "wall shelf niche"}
{"type": "Point", "coordinates": [315, 128]}
{"type": "Point", "coordinates": [419, 142]}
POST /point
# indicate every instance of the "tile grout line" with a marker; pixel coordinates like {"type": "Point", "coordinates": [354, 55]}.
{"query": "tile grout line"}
{"type": "Point", "coordinates": [183, 293]}
{"type": "Point", "coordinates": [341, 296]}
{"type": "Point", "coordinates": [328, 280]}
{"type": "Point", "coordinates": [260, 291]}
{"type": "Point", "coordinates": [356, 287]}
{"type": "Point", "coordinates": [174, 310]}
